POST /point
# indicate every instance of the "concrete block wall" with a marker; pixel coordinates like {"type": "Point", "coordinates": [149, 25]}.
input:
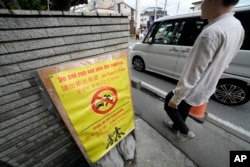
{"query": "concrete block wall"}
{"type": "Point", "coordinates": [30, 133]}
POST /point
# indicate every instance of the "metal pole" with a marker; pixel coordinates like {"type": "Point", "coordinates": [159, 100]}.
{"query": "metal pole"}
{"type": "Point", "coordinates": [115, 5]}
{"type": "Point", "coordinates": [138, 14]}
{"type": "Point", "coordinates": [94, 4]}
{"type": "Point", "coordinates": [165, 7]}
{"type": "Point", "coordinates": [178, 7]}
{"type": "Point", "coordinates": [155, 10]}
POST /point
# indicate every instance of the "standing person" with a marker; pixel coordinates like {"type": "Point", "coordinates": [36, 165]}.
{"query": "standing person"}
{"type": "Point", "coordinates": [145, 31]}
{"type": "Point", "coordinates": [137, 33]}
{"type": "Point", "coordinates": [211, 54]}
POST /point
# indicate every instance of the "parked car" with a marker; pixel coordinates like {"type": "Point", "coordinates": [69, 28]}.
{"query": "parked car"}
{"type": "Point", "coordinates": [168, 42]}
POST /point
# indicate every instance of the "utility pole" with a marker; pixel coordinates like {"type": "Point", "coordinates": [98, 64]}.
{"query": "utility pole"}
{"type": "Point", "coordinates": [115, 6]}
{"type": "Point", "coordinates": [94, 4]}
{"type": "Point", "coordinates": [155, 10]}
{"type": "Point", "coordinates": [178, 7]}
{"type": "Point", "coordinates": [138, 14]}
{"type": "Point", "coordinates": [165, 7]}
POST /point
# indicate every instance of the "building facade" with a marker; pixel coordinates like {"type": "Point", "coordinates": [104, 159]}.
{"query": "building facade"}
{"type": "Point", "coordinates": [148, 16]}
{"type": "Point", "coordinates": [104, 4]}
{"type": "Point", "coordinates": [114, 6]}
{"type": "Point", "coordinates": [196, 6]}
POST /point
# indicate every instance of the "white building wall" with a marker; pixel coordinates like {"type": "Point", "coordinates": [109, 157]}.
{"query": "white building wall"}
{"type": "Point", "coordinates": [104, 3]}
{"type": "Point", "coordinates": [125, 9]}
{"type": "Point", "coordinates": [144, 20]}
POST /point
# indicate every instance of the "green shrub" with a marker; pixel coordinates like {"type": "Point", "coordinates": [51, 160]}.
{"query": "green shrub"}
{"type": "Point", "coordinates": [132, 35]}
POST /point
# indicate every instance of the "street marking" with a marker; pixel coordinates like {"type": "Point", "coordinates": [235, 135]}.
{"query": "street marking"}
{"type": "Point", "coordinates": [230, 125]}
{"type": "Point", "coordinates": [158, 91]}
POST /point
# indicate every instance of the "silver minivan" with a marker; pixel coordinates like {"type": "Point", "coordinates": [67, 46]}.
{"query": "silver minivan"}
{"type": "Point", "coordinates": [168, 42]}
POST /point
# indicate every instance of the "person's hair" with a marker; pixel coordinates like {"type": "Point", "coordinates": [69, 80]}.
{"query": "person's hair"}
{"type": "Point", "coordinates": [229, 2]}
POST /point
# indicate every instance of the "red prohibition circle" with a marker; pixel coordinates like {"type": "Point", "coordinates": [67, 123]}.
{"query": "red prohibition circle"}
{"type": "Point", "coordinates": [104, 100]}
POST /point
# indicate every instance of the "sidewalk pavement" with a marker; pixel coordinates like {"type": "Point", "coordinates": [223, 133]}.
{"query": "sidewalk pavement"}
{"type": "Point", "coordinates": [153, 150]}
{"type": "Point", "coordinates": [156, 145]}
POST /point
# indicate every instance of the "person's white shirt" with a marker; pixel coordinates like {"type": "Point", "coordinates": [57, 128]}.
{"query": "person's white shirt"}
{"type": "Point", "coordinates": [211, 54]}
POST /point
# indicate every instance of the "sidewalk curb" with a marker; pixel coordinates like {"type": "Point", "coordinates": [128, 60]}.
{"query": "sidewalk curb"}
{"type": "Point", "coordinates": [136, 83]}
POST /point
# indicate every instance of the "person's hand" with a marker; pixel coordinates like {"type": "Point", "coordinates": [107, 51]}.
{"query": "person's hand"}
{"type": "Point", "coordinates": [172, 104]}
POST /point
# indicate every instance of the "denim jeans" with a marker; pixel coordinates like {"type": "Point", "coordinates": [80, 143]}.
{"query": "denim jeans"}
{"type": "Point", "coordinates": [178, 116]}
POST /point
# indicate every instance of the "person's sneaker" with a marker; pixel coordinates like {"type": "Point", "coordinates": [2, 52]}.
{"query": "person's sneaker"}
{"type": "Point", "coordinates": [183, 137]}
{"type": "Point", "coordinates": [169, 124]}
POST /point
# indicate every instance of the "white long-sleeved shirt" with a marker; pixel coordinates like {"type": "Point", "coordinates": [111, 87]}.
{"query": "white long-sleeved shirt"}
{"type": "Point", "coordinates": [211, 54]}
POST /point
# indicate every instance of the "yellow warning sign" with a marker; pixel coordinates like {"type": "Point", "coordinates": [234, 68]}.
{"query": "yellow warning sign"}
{"type": "Point", "coordinates": [97, 99]}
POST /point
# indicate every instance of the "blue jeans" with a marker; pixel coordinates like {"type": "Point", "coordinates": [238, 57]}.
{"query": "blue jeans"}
{"type": "Point", "coordinates": [178, 116]}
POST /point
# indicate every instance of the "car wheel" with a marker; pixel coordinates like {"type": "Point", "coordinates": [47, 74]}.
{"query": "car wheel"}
{"type": "Point", "coordinates": [231, 92]}
{"type": "Point", "coordinates": [138, 64]}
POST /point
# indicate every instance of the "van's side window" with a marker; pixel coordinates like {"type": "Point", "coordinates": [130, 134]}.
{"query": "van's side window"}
{"type": "Point", "coordinates": [191, 30]}
{"type": "Point", "coordinates": [168, 33]}
{"type": "Point", "coordinates": [150, 32]}
{"type": "Point", "coordinates": [178, 32]}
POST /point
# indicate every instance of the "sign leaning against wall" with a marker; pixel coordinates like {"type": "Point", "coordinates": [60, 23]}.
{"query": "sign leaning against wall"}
{"type": "Point", "coordinates": [93, 97]}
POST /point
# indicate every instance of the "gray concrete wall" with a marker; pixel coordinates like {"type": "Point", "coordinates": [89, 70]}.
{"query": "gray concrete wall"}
{"type": "Point", "coordinates": [31, 134]}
